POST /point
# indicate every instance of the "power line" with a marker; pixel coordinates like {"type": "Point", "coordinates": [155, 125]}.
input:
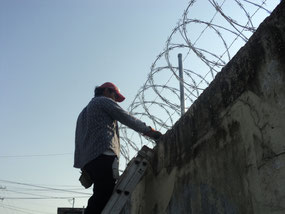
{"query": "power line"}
{"type": "Point", "coordinates": [36, 155]}
{"type": "Point", "coordinates": [22, 210]}
{"type": "Point", "coordinates": [44, 187]}
{"type": "Point", "coordinates": [37, 190]}
{"type": "Point", "coordinates": [43, 198]}
{"type": "Point", "coordinates": [32, 194]}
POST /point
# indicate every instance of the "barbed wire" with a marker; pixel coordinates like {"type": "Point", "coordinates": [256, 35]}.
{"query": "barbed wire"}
{"type": "Point", "coordinates": [207, 43]}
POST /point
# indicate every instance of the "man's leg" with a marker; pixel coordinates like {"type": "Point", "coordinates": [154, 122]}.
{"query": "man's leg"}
{"type": "Point", "coordinates": [101, 173]}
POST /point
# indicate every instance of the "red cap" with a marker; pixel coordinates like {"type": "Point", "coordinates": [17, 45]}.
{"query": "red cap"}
{"type": "Point", "coordinates": [110, 85]}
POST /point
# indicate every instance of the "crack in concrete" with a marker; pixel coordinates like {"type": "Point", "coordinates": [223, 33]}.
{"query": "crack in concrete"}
{"type": "Point", "coordinates": [268, 152]}
{"type": "Point", "coordinates": [268, 159]}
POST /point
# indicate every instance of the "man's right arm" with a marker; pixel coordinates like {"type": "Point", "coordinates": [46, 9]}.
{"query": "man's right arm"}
{"type": "Point", "coordinates": [119, 114]}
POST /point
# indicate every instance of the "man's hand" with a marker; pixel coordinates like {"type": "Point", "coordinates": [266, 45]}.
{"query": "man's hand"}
{"type": "Point", "coordinates": [153, 134]}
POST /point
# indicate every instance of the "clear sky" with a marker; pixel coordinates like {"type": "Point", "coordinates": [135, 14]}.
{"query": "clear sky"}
{"type": "Point", "coordinates": [52, 55]}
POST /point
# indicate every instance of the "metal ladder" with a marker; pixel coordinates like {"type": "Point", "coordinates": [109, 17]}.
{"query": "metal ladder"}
{"type": "Point", "coordinates": [128, 181]}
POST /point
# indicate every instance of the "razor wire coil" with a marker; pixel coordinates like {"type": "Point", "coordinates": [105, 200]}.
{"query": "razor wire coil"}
{"type": "Point", "coordinates": [158, 100]}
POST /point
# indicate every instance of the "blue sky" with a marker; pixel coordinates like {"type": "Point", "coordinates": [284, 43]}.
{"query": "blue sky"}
{"type": "Point", "coordinates": [52, 55]}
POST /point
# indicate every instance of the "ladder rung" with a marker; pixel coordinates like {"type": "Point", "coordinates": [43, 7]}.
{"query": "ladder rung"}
{"type": "Point", "coordinates": [128, 181]}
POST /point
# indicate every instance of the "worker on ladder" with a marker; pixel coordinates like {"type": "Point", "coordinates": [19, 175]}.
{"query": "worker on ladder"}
{"type": "Point", "coordinates": [97, 145]}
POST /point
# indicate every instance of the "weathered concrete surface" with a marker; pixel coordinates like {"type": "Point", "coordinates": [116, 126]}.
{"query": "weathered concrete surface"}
{"type": "Point", "coordinates": [227, 153]}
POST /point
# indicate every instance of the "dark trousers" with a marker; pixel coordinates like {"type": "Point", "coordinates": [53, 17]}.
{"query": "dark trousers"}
{"type": "Point", "coordinates": [100, 170]}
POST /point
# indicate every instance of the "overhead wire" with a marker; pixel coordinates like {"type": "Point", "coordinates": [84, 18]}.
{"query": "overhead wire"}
{"type": "Point", "coordinates": [44, 198]}
{"type": "Point", "coordinates": [45, 187]}
{"type": "Point", "coordinates": [23, 210]}
{"type": "Point", "coordinates": [35, 155]}
{"type": "Point", "coordinates": [40, 196]}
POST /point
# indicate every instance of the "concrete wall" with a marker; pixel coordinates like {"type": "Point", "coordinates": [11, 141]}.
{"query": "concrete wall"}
{"type": "Point", "coordinates": [227, 153]}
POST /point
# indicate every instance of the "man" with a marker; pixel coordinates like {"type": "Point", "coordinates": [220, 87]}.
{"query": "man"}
{"type": "Point", "coordinates": [97, 145]}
